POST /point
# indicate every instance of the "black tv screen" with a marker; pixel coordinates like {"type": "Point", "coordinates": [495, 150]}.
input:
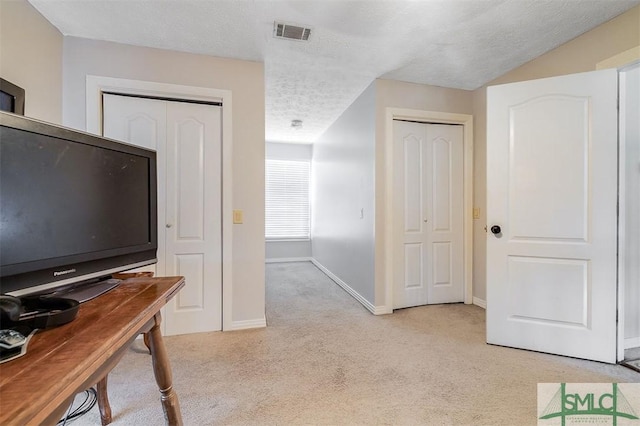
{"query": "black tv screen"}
{"type": "Point", "coordinates": [7, 102]}
{"type": "Point", "coordinates": [73, 206]}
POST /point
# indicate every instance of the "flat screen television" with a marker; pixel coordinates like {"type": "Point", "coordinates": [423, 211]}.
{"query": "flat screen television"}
{"type": "Point", "coordinates": [75, 208]}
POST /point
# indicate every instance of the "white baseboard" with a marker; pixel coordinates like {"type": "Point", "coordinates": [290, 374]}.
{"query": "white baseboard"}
{"type": "Point", "coordinates": [382, 310]}
{"type": "Point", "coordinates": [376, 310]}
{"type": "Point", "coordinates": [246, 324]}
{"type": "Point", "coordinates": [631, 342]}
{"type": "Point", "coordinates": [479, 302]}
{"type": "Point", "coordinates": [287, 259]}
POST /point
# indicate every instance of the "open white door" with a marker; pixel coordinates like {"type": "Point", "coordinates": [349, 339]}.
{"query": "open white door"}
{"type": "Point", "coordinates": [552, 190]}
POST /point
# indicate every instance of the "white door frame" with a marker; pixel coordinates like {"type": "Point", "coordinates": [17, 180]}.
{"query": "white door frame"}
{"type": "Point", "coordinates": [621, 61]}
{"type": "Point", "coordinates": [389, 217]}
{"type": "Point", "coordinates": [622, 246]}
{"type": "Point", "coordinates": [96, 85]}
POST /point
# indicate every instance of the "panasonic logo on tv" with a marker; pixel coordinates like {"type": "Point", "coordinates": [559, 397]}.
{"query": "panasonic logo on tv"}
{"type": "Point", "coordinates": [58, 273]}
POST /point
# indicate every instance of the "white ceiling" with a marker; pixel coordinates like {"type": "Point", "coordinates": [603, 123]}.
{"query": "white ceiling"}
{"type": "Point", "coordinates": [452, 43]}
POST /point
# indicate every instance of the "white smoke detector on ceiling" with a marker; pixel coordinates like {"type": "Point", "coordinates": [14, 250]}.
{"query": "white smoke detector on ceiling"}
{"type": "Point", "coordinates": [291, 31]}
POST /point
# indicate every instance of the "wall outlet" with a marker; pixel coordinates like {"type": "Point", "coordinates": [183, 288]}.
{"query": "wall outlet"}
{"type": "Point", "coordinates": [238, 216]}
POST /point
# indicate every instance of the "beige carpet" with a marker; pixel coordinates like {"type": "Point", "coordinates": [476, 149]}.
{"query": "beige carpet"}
{"type": "Point", "coordinates": [325, 360]}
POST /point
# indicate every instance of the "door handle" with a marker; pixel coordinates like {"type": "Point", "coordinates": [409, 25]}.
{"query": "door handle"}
{"type": "Point", "coordinates": [495, 229]}
{"type": "Point", "coordinates": [168, 225]}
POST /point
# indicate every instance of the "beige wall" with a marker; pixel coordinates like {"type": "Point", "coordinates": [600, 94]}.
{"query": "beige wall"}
{"type": "Point", "coordinates": [245, 80]}
{"type": "Point", "coordinates": [480, 194]}
{"type": "Point", "coordinates": [31, 57]}
{"type": "Point", "coordinates": [398, 94]}
{"type": "Point", "coordinates": [578, 55]}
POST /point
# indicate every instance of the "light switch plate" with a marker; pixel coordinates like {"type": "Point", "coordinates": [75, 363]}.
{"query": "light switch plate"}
{"type": "Point", "coordinates": [476, 212]}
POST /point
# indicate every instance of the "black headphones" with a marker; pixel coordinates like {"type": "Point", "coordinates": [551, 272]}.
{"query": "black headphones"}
{"type": "Point", "coordinates": [36, 311]}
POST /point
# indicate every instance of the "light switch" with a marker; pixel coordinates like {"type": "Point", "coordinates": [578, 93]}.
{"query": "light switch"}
{"type": "Point", "coordinates": [237, 216]}
{"type": "Point", "coordinates": [476, 212]}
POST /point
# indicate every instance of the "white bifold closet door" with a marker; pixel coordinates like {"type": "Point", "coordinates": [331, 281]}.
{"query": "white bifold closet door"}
{"type": "Point", "coordinates": [428, 203]}
{"type": "Point", "coordinates": [187, 139]}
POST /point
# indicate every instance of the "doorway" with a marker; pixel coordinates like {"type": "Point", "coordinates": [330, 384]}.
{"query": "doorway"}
{"type": "Point", "coordinates": [393, 219]}
{"type": "Point", "coordinates": [629, 213]}
{"type": "Point", "coordinates": [97, 85]}
{"type": "Point", "coordinates": [428, 199]}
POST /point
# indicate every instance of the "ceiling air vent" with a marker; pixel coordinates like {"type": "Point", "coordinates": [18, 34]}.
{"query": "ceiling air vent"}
{"type": "Point", "coordinates": [291, 32]}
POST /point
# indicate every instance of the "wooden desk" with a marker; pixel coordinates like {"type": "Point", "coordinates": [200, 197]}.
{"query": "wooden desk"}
{"type": "Point", "coordinates": [38, 387]}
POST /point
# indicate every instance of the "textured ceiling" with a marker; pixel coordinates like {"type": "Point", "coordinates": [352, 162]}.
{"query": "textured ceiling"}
{"type": "Point", "coordinates": [452, 43]}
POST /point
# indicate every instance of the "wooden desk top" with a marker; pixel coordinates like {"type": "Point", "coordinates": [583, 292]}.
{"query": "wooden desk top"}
{"type": "Point", "coordinates": [38, 387]}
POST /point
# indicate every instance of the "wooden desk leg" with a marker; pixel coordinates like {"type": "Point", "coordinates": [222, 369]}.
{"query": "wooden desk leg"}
{"type": "Point", "coordinates": [145, 338]}
{"type": "Point", "coordinates": [162, 371]}
{"type": "Point", "coordinates": [103, 401]}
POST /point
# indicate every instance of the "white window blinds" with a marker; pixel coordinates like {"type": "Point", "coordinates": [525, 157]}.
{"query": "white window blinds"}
{"type": "Point", "coordinates": [287, 199]}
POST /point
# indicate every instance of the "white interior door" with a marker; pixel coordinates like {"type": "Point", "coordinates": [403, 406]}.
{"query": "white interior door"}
{"type": "Point", "coordinates": [429, 205]}
{"type": "Point", "coordinates": [552, 189]}
{"type": "Point", "coordinates": [187, 138]}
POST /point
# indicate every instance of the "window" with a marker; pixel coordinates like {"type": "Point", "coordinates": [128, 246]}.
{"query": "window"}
{"type": "Point", "coordinates": [287, 199]}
